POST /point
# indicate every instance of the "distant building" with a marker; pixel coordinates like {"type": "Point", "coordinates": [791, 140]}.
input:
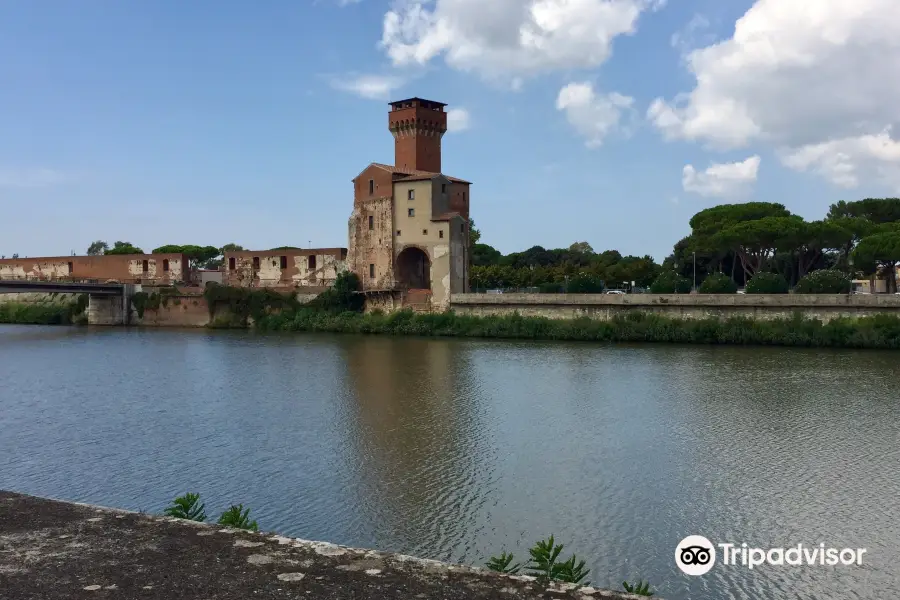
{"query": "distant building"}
{"type": "Point", "coordinates": [409, 237]}
{"type": "Point", "coordinates": [152, 269]}
{"type": "Point", "coordinates": [285, 268]}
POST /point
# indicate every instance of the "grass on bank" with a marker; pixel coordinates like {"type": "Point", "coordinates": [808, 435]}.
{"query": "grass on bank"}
{"type": "Point", "coordinates": [40, 313]}
{"type": "Point", "coordinates": [879, 331]}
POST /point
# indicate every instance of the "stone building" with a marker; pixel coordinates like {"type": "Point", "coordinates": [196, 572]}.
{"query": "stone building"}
{"type": "Point", "coordinates": [152, 269]}
{"type": "Point", "coordinates": [409, 237]}
{"type": "Point", "coordinates": [284, 268]}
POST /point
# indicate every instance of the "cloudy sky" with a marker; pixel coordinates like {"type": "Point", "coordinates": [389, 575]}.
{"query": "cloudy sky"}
{"type": "Point", "coordinates": [609, 121]}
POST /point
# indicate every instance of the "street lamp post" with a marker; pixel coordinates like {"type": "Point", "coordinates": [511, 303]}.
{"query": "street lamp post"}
{"type": "Point", "coordinates": [695, 270]}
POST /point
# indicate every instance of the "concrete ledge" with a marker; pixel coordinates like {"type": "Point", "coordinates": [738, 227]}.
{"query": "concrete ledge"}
{"type": "Point", "coordinates": [51, 550]}
{"type": "Point", "coordinates": [658, 300]}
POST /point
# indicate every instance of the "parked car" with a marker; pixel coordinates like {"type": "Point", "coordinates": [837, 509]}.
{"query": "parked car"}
{"type": "Point", "coordinates": [617, 292]}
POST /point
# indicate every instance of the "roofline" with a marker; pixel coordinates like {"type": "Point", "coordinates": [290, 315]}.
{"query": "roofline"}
{"type": "Point", "coordinates": [416, 98]}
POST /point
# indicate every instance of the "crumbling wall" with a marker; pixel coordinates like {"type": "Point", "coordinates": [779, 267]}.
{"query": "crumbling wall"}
{"type": "Point", "coordinates": [122, 268]}
{"type": "Point", "coordinates": [309, 268]}
{"type": "Point", "coordinates": [371, 253]}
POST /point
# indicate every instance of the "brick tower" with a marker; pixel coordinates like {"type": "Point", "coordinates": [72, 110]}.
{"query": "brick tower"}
{"type": "Point", "coordinates": [417, 126]}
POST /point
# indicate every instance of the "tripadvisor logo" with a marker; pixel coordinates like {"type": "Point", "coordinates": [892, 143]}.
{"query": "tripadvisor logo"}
{"type": "Point", "coordinates": [696, 555]}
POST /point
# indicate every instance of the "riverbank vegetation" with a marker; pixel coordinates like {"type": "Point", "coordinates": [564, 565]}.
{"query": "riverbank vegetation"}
{"type": "Point", "coordinates": [858, 239]}
{"type": "Point", "coordinates": [880, 331]}
{"type": "Point", "coordinates": [45, 313]}
{"type": "Point", "coordinates": [190, 507]}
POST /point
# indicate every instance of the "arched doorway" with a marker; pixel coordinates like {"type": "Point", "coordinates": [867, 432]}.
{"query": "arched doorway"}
{"type": "Point", "coordinates": [414, 269]}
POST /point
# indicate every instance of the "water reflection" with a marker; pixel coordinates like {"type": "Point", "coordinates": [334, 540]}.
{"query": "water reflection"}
{"type": "Point", "coordinates": [456, 449]}
{"type": "Point", "coordinates": [417, 442]}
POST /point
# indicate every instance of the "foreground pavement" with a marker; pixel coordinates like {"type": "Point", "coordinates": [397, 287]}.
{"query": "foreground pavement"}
{"type": "Point", "coordinates": [53, 550]}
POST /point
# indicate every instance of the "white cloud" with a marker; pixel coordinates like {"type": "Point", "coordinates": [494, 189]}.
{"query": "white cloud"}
{"type": "Point", "coordinates": [843, 162]}
{"type": "Point", "coordinates": [374, 87]}
{"type": "Point", "coordinates": [815, 79]}
{"type": "Point", "coordinates": [721, 180]}
{"type": "Point", "coordinates": [593, 115]}
{"type": "Point", "coordinates": [30, 178]}
{"type": "Point", "coordinates": [690, 36]}
{"type": "Point", "coordinates": [457, 120]}
{"type": "Point", "coordinates": [507, 38]}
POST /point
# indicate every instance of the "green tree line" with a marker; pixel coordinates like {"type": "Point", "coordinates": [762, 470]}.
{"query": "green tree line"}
{"type": "Point", "coordinates": [857, 239]}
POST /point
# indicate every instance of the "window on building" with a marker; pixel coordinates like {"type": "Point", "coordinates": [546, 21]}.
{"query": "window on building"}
{"type": "Point", "coordinates": [165, 265]}
{"type": "Point", "coordinates": [424, 232]}
{"type": "Point", "coordinates": [231, 264]}
{"type": "Point", "coordinates": [146, 266]}
{"type": "Point", "coordinates": [411, 212]}
{"type": "Point", "coordinates": [398, 233]}
{"type": "Point", "coordinates": [411, 194]}
{"type": "Point", "coordinates": [371, 222]}
{"type": "Point", "coordinates": [443, 188]}
{"type": "Point", "coordinates": [311, 262]}
{"type": "Point", "coordinates": [371, 271]}
{"type": "Point", "coordinates": [274, 263]}
{"type": "Point", "coordinates": [464, 196]}
{"type": "Point", "coordinates": [440, 233]}
{"type": "Point", "coordinates": [284, 262]}
{"type": "Point", "coordinates": [71, 268]}
{"type": "Point", "coordinates": [371, 186]}
{"type": "Point", "coordinates": [256, 263]}
{"type": "Point", "coordinates": [462, 228]}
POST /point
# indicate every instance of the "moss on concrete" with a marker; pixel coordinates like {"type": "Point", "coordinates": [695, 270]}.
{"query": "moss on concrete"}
{"type": "Point", "coordinates": [51, 550]}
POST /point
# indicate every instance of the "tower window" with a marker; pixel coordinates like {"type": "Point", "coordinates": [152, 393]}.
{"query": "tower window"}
{"type": "Point", "coordinates": [441, 233]}
{"type": "Point", "coordinates": [464, 196]}
{"type": "Point", "coordinates": [411, 212]}
{"type": "Point", "coordinates": [398, 233]}
{"type": "Point", "coordinates": [371, 186]}
{"type": "Point", "coordinates": [284, 262]}
{"type": "Point", "coordinates": [146, 266]}
{"type": "Point", "coordinates": [371, 222]}
{"type": "Point", "coordinates": [371, 271]}
{"type": "Point", "coordinates": [311, 262]}
{"type": "Point", "coordinates": [443, 188]}
{"type": "Point", "coordinates": [165, 265]}
{"type": "Point", "coordinates": [256, 262]}
{"type": "Point", "coordinates": [231, 264]}
{"type": "Point", "coordinates": [411, 194]}
{"type": "Point", "coordinates": [424, 232]}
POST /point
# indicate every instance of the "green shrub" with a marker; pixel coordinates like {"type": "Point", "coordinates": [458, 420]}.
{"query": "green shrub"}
{"type": "Point", "coordinates": [718, 283]}
{"type": "Point", "coordinates": [880, 331]}
{"type": "Point", "coordinates": [824, 281]}
{"type": "Point", "coordinates": [243, 304]}
{"type": "Point", "coordinates": [544, 564]}
{"type": "Point", "coordinates": [641, 588]}
{"type": "Point", "coordinates": [343, 296]}
{"type": "Point", "coordinates": [187, 507]}
{"type": "Point", "coordinates": [767, 283]}
{"type": "Point", "coordinates": [584, 284]}
{"type": "Point", "coordinates": [501, 564]}
{"type": "Point", "coordinates": [670, 282]}
{"type": "Point", "coordinates": [44, 313]}
{"type": "Point", "coordinates": [238, 517]}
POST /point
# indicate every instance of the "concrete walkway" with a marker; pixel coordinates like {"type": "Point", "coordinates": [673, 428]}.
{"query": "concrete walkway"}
{"type": "Point", "coordinates": [53, 550]}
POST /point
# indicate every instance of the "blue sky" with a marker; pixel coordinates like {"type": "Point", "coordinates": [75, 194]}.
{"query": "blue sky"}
{"type": "Point", "coordinates": [208, 122]}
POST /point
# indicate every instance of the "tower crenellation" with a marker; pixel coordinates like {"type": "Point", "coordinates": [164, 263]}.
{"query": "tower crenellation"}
{"type": "Point", "coordinates": [417, 126]}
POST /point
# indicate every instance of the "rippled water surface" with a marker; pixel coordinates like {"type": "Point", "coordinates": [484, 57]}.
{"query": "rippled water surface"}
{"type": "Point", "coordinates": [457, 449]}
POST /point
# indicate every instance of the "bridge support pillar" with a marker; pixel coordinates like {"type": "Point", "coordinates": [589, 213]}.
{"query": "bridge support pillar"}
{"type": "Point", "coordinates": [110, 310]}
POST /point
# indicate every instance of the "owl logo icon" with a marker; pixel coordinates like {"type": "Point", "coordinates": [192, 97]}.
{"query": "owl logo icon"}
{"type": "Point", "coordinates": [695, 555]}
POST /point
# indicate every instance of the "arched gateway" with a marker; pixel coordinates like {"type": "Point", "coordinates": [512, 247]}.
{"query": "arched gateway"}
{"type": "Point", "coordinates": [413, 269]}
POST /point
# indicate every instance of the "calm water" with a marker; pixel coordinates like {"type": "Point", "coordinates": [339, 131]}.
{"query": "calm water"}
{"type": "Point", "coordinates": [457, 449]}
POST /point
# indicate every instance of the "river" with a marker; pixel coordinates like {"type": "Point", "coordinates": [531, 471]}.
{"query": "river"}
{"type": "Point", "coordinates": [457, 449]}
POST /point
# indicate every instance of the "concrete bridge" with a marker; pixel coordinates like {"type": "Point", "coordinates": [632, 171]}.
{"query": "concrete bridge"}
{"type": "Point", "coordinates": [108, 303]}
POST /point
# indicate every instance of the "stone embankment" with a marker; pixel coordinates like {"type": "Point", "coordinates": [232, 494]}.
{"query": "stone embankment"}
{"type": "Point", "coordinates": [51, 550]}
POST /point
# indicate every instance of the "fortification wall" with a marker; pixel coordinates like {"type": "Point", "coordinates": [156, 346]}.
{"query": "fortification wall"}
{"type": "Point", "coordinates": [680, 306]}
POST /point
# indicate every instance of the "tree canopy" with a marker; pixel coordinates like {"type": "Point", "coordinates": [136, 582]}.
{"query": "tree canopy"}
{"type": "Point", "coordinates": [123, 248]}
{"type": "Point", "coordinates": [97, 248]}
{"type": "Point", "coordinates": [198, 257]}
